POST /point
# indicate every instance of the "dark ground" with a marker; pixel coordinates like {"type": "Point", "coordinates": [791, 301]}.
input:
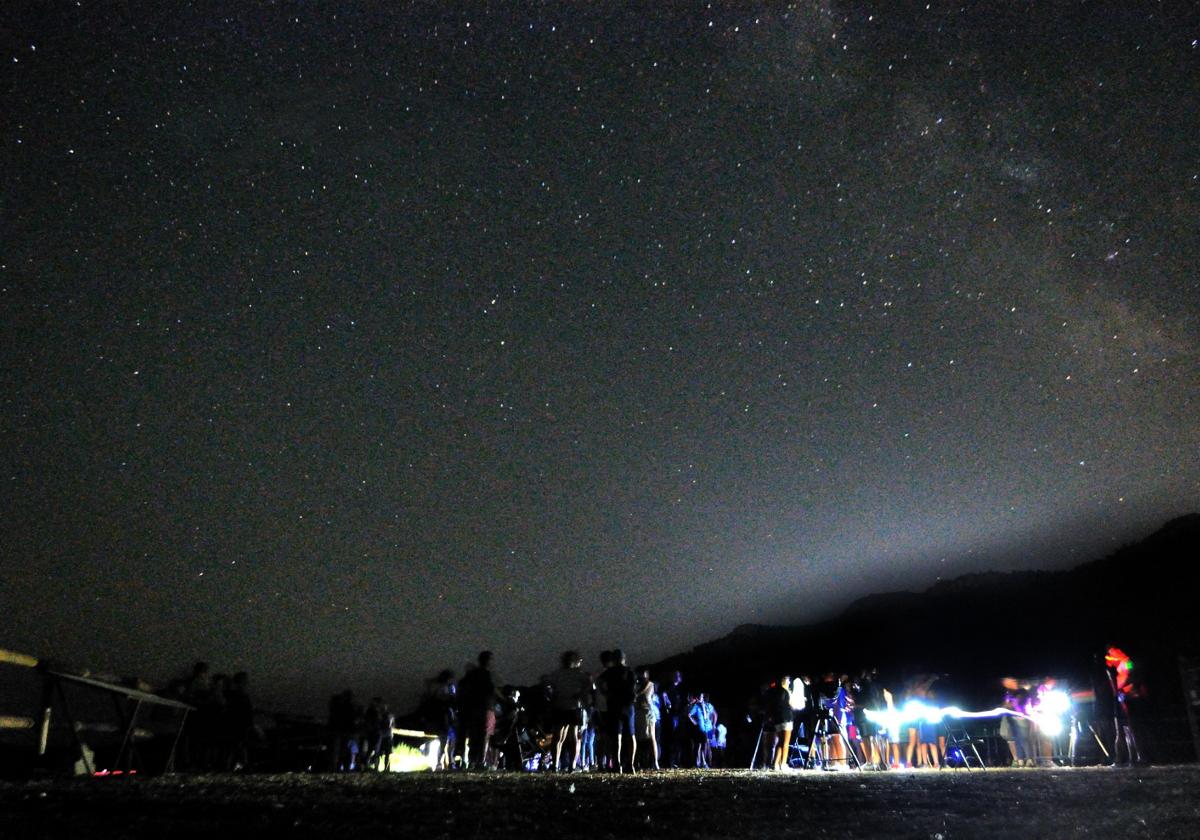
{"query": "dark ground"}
{"type": "Point", "coordinates": [1150, 802]}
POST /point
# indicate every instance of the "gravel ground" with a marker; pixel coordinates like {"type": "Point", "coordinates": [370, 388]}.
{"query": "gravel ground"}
{"type": "Point", "coordinates": [1149, 802]}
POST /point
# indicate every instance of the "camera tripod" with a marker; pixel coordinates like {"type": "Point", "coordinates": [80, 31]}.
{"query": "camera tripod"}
{"type": "Point", "coordinates": [827, 727]}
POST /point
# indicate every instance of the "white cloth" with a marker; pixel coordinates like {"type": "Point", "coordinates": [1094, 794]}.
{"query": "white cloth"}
{"type": "Point", "coordinates": [799, 698]}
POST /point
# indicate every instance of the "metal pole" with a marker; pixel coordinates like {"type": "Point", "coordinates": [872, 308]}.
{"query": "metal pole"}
{"type": "Point", "coordinates": [754, 758]}
{"type": "Point", "coordinates": [170, 765]}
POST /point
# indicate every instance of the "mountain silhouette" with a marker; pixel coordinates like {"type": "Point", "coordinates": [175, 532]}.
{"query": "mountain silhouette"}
{"type": "Point", "coordinates": [981, 627]}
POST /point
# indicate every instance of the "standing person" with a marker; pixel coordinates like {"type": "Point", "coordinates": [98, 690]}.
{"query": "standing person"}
{"type": "Point", "coordinates": [603, 749]}
{"type": "Point", "coordinates": [195, 691]}
{"type": "Point", "coordinates": [215, 715]}
{"type": "Point", "coordinates": [778, 722]}
{"type": "Point", "coordinates": [1118, 668]}
{"type": "Point", "coordinates": [917, 691]}
{"type": "Point", "coordinates": [620, 684]}
{"type": "Point", "coordinates": [587, 733]}
{"type": "Point", "coordinates": [675, 708]}
{"type": "Point", "coordinates": [892, 732]}
{"type": "Point", "coordinates": [700, 726]}
{"type": "Point", "coordinates": [870, 696]}
{"type": "Point", "coordinates": [343, 725]}
{"type": "Point", "coordinates": [569, 689]}
{"type": "Point", "coordinates": [477, 697]}
{"type": "Point", "coordinates": [647, 713]}
{"type": "Point", "coordinates": [240, 717]}
{"type": "Point", "coordinates": [928, 753]}
{"type": "Point", "coordinates": [510, 723]}
{"type": "Point", "coordinates": [370, 731]}
{"type": "Point", "coordinates": [385, 742]}
{"type": "Point", "coordinates": [710, 712]}
{"type": "Point", "coordinates": [799, 703]}
{"type": "Point", "coordinates": [807, 723]}
{"type": "Point", "coordinates": [847, 704]}
{"type": "Point", "coordinates": [440, 715]}
{"type": "Point", "coordinates": [1010, 729]}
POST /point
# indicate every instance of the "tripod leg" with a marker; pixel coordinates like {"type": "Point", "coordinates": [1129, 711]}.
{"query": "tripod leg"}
{"type": "Point", "coordinates": [813, 749]}
{"type": "Point", "coordinates": [850, 752]}
{"type": "Point", "coordinates": [1099, 740]}
{"type": "Point", "coordinates": [978, 757]}
{"type": "Point", "coordinates": [757, 744]}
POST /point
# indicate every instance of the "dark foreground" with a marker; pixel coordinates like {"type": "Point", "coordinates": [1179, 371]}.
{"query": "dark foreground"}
{"type": "Point", "coordinates": [1152, 802]}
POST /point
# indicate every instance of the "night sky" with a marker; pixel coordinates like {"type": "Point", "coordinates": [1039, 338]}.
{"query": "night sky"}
{"type": "Point", "coordinates": [341, 341]}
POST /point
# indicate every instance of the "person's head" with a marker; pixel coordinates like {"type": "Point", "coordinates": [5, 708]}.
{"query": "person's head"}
{"type": "Point", "coordinates": [606, 658]}
{"type": "Point", "coordinates": [485, 659]}
{"type": "Point", "coordinates": [200, 669]}
{"type": "Point", "coordinates": [644, 673]}
{"type": "Point", "coordinates": [445, 676]}
{"type": "Point", "coordinates": [676, 678]}
{"type": "Point", "coordinates": [241, 680]}
{"type": "Point", "coordinates": [571, 659]}
{"type": "Point", "coordinates": [618, 657]}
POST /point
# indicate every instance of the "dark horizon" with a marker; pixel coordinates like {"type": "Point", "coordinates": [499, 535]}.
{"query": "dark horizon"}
{"type": "Point", "coordinates": [309, 698]}
{"type": "Point", "coordinates": [342, 343]}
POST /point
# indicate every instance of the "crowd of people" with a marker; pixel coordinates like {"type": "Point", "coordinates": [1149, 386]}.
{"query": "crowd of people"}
{"type": "Point", "coordinates": [824, 724]}
{"type": "Point", "coordinates": [620, 719]}
{"type": "Point", "coordinates": [221, 731]}
{"type": "Point", "coordinates": [615, 718]}
{"type": "Point", "coordinates": [840, 722]}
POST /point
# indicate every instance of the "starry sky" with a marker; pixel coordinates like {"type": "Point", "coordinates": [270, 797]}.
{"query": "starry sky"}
{"type": "Point", "coordinates": [344, 340]}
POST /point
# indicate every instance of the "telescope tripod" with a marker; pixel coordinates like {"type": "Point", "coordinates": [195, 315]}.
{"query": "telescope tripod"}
{"type": "Point", "coordinates": [826, 728]}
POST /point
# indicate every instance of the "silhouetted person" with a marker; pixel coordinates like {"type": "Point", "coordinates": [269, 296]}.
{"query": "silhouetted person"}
{"type": "Point", "coordinates": [369, 747]}
{"type": "Point", "coordinates": [870, 696]}
{"type": "Point", "coordinates": [511, 722]}
{"type": "Point", "coordinates": [194, 691]}
{"type": "Point", "coordinates": [778, 722]}
{"type": "Point", "coordinates": [380, 736]}
{"type": "Point", "coordinates": [620, 685]}
{"type": "Point", "coordinates": [477, 698]}
{"type": "Point", "coordinates": [569, 689]}
{"type": "Point", "coordinates": [602, 740]}
{"type": "Point", "coordinates": [1119, 669]}
{"type": "Point", "coordinates": [675, 711]}
{"type": "Point", "coordinates": [440, 714]}
{"type": "Point", "coordinates": [343, 726]}
{"type": "Point", "coordinates": [239, 716]}
{"type": "Point", "coordinates": [213, 725]}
